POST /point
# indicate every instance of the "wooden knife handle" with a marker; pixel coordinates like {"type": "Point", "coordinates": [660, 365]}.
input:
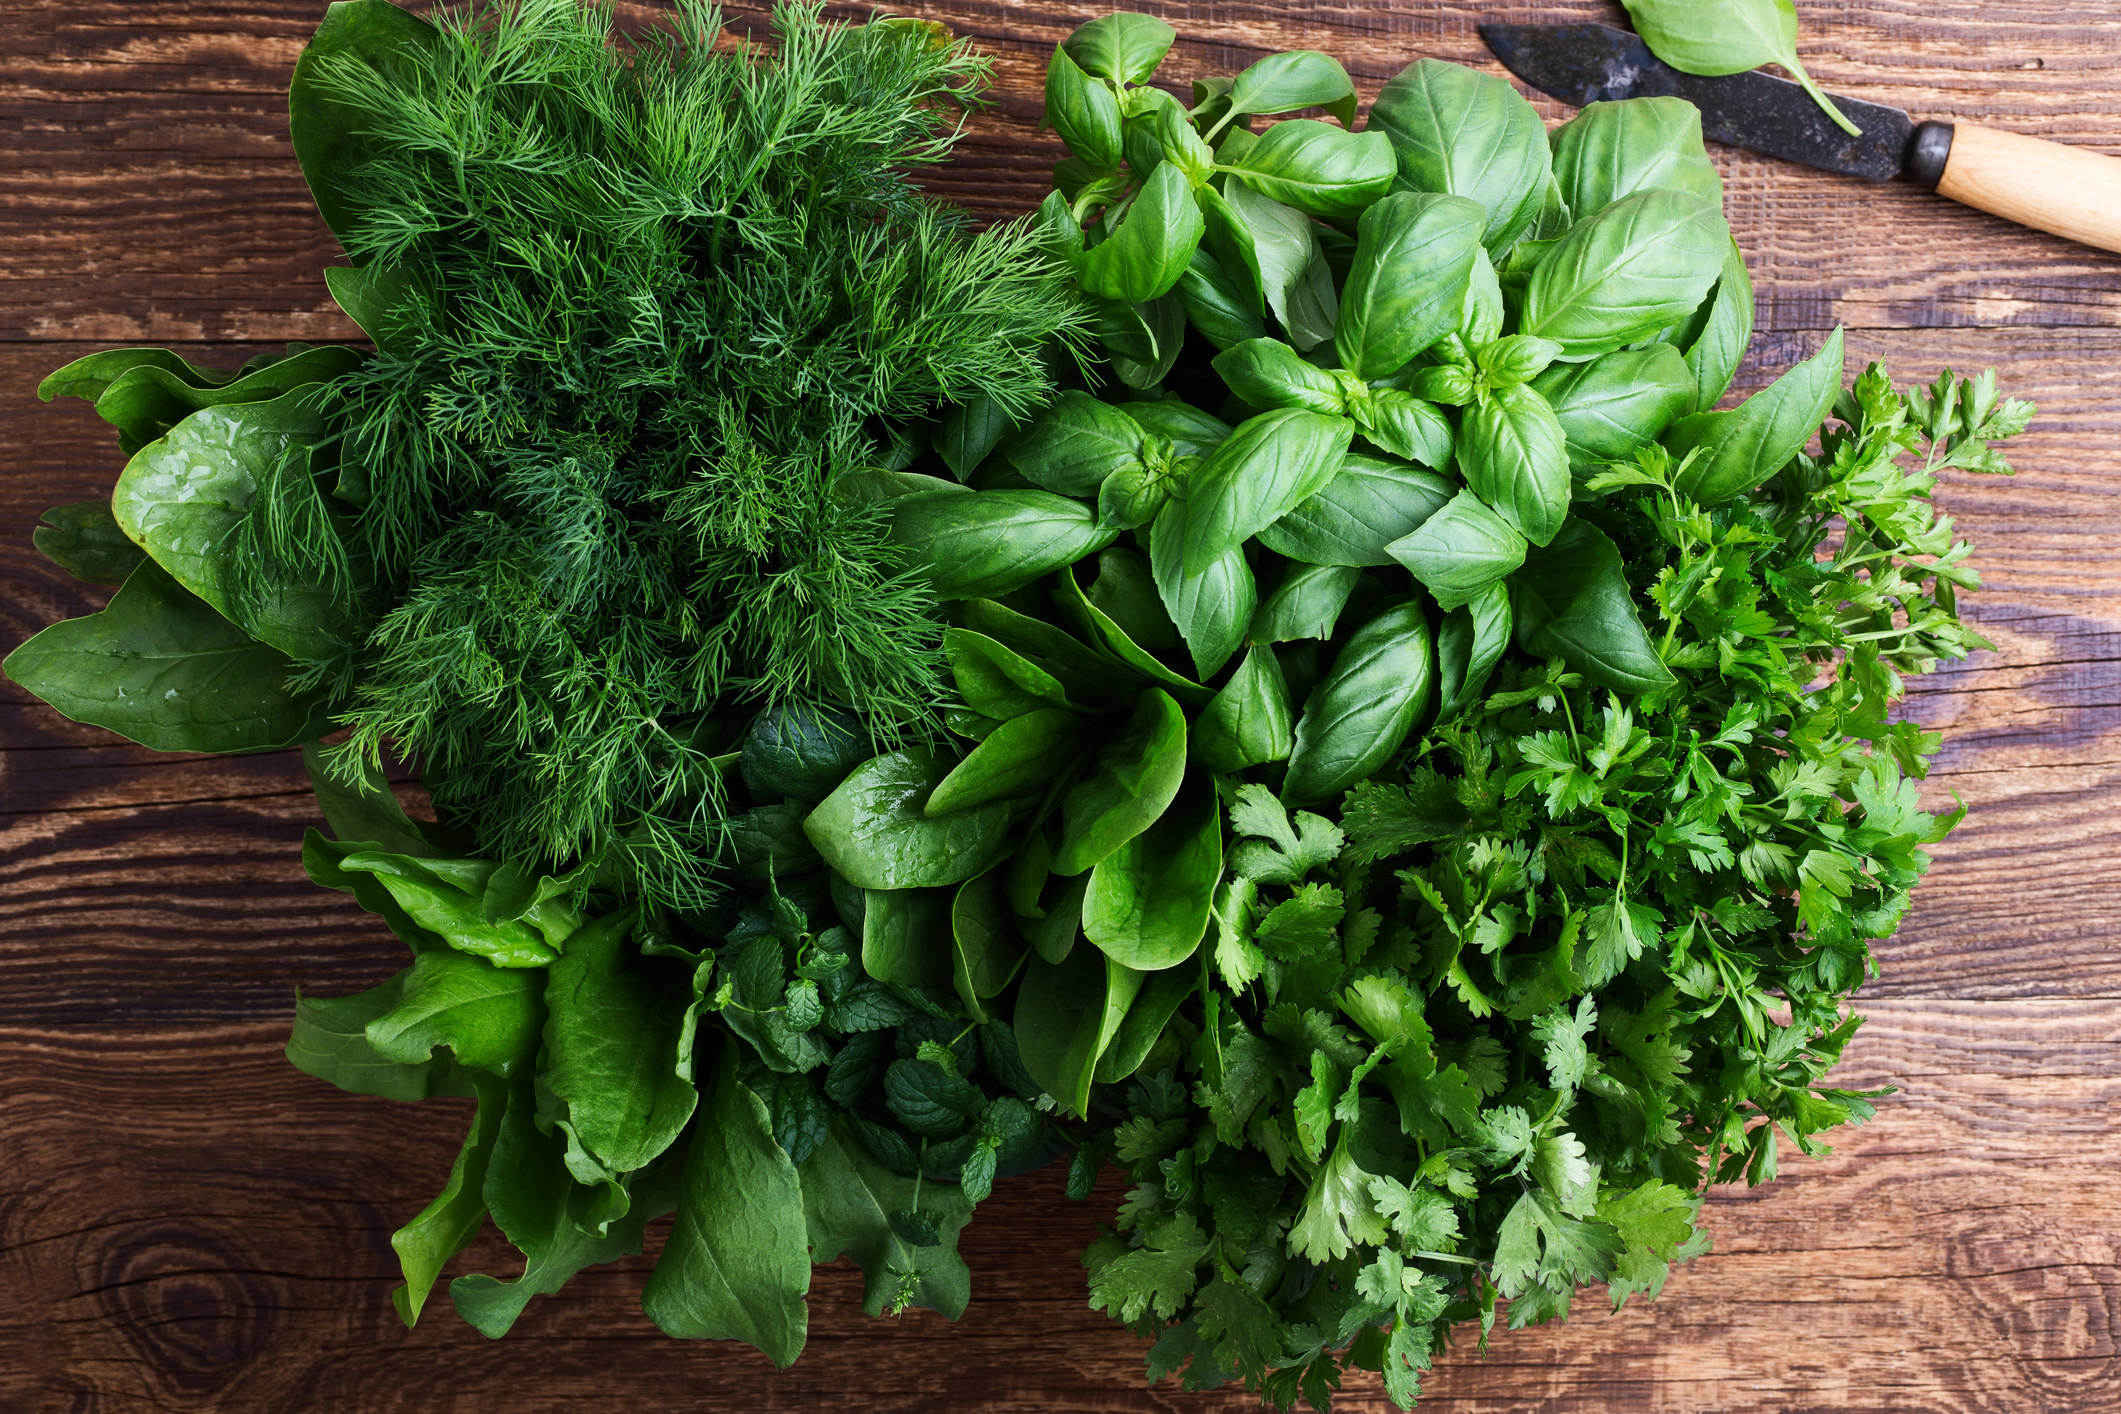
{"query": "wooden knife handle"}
{"type": "Point", "coordinates": [2046, 185]}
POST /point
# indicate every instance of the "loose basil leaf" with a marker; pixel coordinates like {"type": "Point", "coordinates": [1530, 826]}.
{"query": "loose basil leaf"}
{"type": "Point", "coordinates": [1611, 150]}
{"type": "Point", "coordinates": [1644, 262]}
{"type": "Point", "coordinates": [158, 666]}
{"type": "Point", "coordinates": [1152, 244]}
{"type": "Point", "coordinates": [1458, 131]}
{"type": "Point", "coordinates": [736, 1265]}
{"type": "Point", "coordinates": [848, 1199]}
{"type": "Point", "coordinates": [331, 135]}
{"type": "Point", "coordinates": [985, 953]}
{"type": "Point", "coordinates": [1211, 608]}
{"type": "Point", "coordinates": [874, 834]}
{"type": "Point", "coordinates": [1126, 592]}
{"type": "Point", "coordinates": [1306, 605]}
{"type": "Point", "coordinates": [1135, 778]}
{"type": "Point", "coordinates": [1083, 111]}
{"type": "Point", "coordinates": [1284, 246]}
{"type": "Point", "coordinates": [1268, 466]}
{"type": "Point", "coordinates": [1369, 503]}
{"type": "Point", "coordinates": [997, 681]}
{"type": "Point", "coordinates": [1405, 426]}
{"type": "Point", "coordinates": [1617, 402]}
{"type": "Point", "coordinates": [1099, 626]}
{"type": "Point", "coordinates": [1284, 83]}
{"type": "Point", "coordinates": [1087, 677]}
{"type": "Point", "coordinates": [969, 431]}
{"type": "Point", "coordinates": [183, 498]}
{"type": "Point", "coordinates": [1514, 455]}
{"type": "Point", "coordinates": [84, 540]}
{"type": "Point", "coordinates": [1745, 445]}
{"type": "Point", "coordinates": [1147, 904]}
{"type": "Point", "coordinates": [1019, 757]}
{"type": "Point", "coordinates": [1123, 48]}
{"type": "Point", "coordinates": [1267, 373]}
{"type": "Point", "coordinates": [1571, 600]}
{"type": "Point", "coordinates": [617, 1057]}
{"type": "Point", "coordinates": [489, 1017]}
{"type": "Point", "coordinates": [1192, 432]}
{"type": "Point", "coordinates": [903, 933]}
{"type": "Point", "coordinates": [1362, 711]}
{"type": "Point", "coordinates": [1407, 286]}
{"type": "Point", "coordinates": [1248, 722]}
{"type": "Point", "coordinates": [1223, 310]}
{"type": "Point", "coordinates": [1074, 444]}
{"type": "Point", "coordinates": [984, 544]}
{"type": "Point", "coordinates": [1319, 169]}
{"type": "Point", "coordinates": [1067, 1014]}
{"type": "Point", "coordinates": [87, 377]}
{"type": "Point", "coordinates": [1729, 38]}
{"type": "Point", "coordinates": [452, 1221]}
{"type": "Point", "coordinates": [1468, 647]}
{"type": "Point", "coordinates": [1715, 354]}
{"type": "Point", "coordinates": [1461, 551]}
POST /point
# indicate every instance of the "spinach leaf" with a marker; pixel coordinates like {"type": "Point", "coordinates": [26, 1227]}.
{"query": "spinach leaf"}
{"type": "Point", "coordinates": [968, 432]}
{"type": "Point", "coordinates": [1147, 904]}
{"type": "Point", "coordinates": [997, 681]}
{"type": "Point", "coordinates": [1248, 722]}
{"type": "Point", "coordinates": [986, 544]}
{"type": "Point", "coordinates": [1407, 285]}
{"type": "Point", "coordinates": [1084, 675]}
{"type": "Point", "coordinates": [1098, 625]}
{"type": "Point", "coordinates": [1136, 776]}
{"type": "Point", "coordinates": [903, 936]}
{"type": "Point", "coordinates": [1729, 38]}
{"type": "Point", "coordinates": [332, 137]}
{"type": "Point", "coordinates": [1317, 168]}
{"type": "Point", "coordinates": [1621, 275]}
{"type": "Point", "coordinates": [447, 897]}
{"type": "Point", "coordinates": [1162, 994]}
{"type": "Point", "coordinates": [985, 953]}
{"type": "Point", "coordinates": [1362, 711]}
{"type": "Point", "coordinates": [1745, 445]}
{"type": "Point", "coordinates": [1125, 591]}
{"type": "Point", "coordinates": [1515, 456]}
{"type": "Point", "coordinates": [1067, 1014]}
{"type": "Point", "coordinates": [1617, 402]}
{"type": "Point", "coordinates": [158, 666]}
{"type": "Point", "coordinates": [330, 1041]}
{"type": "Point", "coordinates": [1571, 600]}
{"type": "Point", "coordinates": [1611, 150]}
{"type": "Point", "coordinates": [873, 832]}
{"type": "Point", "coordinates": [1461, 551]}
{"type": "Point", "coordinates": [1019, 757]}
{"type": "Point", "coordinates": [1468, 647]}
{"type": "Point", "coordinates": [1460, 132]}
{"type": "Point", "coordinates": [88, 376]}
{"type": "Point", "coordinates": [84, 540]}
{"type": "Point", "coordinates": [364, 808]}
{"type": "Point", "coordinates": [145, 402]}
{"type": "Point", "coordinates": [736, 1265]}
{"type": "Point", "coordinates": [1154, 336]}
{"type": "Point", "coordinates": [1211, 608]}
{"type": "Point", "coordinates": [1268, 466]}
{"type": "Point", "coordinates": [798, 751]}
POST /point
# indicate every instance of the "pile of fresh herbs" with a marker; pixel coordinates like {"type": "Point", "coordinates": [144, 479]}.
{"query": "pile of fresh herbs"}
{"type": "Point", "coordinates": [1274, 674]}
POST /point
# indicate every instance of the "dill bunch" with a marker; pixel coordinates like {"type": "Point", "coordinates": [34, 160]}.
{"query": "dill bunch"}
{"type": "Point", "coordinates": [638, 303]}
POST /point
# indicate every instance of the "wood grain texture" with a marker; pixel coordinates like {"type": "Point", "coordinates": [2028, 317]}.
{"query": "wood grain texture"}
{"type": "Point", "coordinates": [2049, 186]}
{"type": "Point", "coordinates": [188, 1224]}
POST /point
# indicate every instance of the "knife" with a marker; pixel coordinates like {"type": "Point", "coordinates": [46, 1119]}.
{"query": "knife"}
{"type": "Point", "coordinates": [2046, 185]}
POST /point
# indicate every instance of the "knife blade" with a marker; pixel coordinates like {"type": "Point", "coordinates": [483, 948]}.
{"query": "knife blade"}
{"type": "Point", "coordinates": [2070, 191]}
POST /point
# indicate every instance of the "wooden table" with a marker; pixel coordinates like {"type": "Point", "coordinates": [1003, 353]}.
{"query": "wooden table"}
{"type": "Point", "coordinates": [186, 1223]}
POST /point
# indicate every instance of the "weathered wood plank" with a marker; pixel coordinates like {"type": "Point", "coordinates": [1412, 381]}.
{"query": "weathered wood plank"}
{"type": "Point", "coordinates": [193, 1225]}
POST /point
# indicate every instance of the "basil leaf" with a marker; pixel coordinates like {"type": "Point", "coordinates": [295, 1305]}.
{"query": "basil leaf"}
{"type": "Point", "coordinates": [1147, 904]}
{"type": "Point", "coordinates": [1267, 373]}
{"type": "Point", "coordinates": [1228, 240]}
{"type": "Point", "coordinates": [1611, 150]}
{"type": "Point", "coordinates": [489, 1017]}
{"type": "Point", "coordinates": [902, 933]}
{"type": "Point", "coordinates": [1019, 757]}
{"type": "Point", "coordinates": [1211, 608]}
{"type": "Point", "coordinates": [1158, 337]}
{"type": "Point", "coordinates": [1571, 600]}
{"type": "Point", "coordinates": [1126, 593]}
{"type": "Point", "coordinates": [1729, 38]}
{"type": "Point", "coordinates": [1480, 318]}
{"type": "Point", "coordinates": [1319, 169]}
{"type": "Point", "coordinates": [158, 666]}
{"type": "Point", "coordinates": [1084, 112]}
{"type": "Point", "coordinates": [1747, 444]}
{"type": "Point", "coordinates": [1460, 132]}
{"type": "Point", "coordinates": [1362, 711]}
{"type": "Point", "coordinates": [1300, 78]}
{"type": "Point", "coordinates": [1715, 354]}
{"type": "Point", "coordinates": [1406, 426]}
{"type": "Point", "coordinates": [1152, 244]}
{"type": "Point", "coordinates": [984, 544]}
{"type": "Point", "coordinates": [1512, 452]}
{"type": "Point", "coordinates": [1067, 1014]}
{"type": "Point", "coordinates": [874, 834]}
{"type": "Point", "coordinates": [1192, 432]}
{"type": "Point", "coordinates": [331, 136]}
{"type": "Point", "coordinates": [1136, 775]}
{"type": "Point", "coordinates": [84, 540]}
{"type": "Point", "coordinates": [1225, 311]}
{"type": "Point", "coordinates": [969, 431]}
{"type": "Point", "coordinates": [736, 1265]}
{"type": "Point", "coordinates": [985, 955]}
{"type": "Point", "coordinates": [1618, 402]}
{"type": "Point", "coordinates": [1644, 262]}
{"type": "Point", "coordinates": [1407, 286]}
{"type": "Point", "coordinates": [1306, 605]}
{"type": "Point", "coordinates": [1468, 647]}
{"type": "Point", "coordinates": [1247, 724]}
{"type": "Point", "coordinates": [1269, 465]}
{"type": "Point", "coordinates": [1369, 503]}
{"type": "Point", "coordinates": [1283, 245]}
{"type": "Point", "coordinates": [1461, 551]}
{"type": "Point", "coordinates": [1123, 48]}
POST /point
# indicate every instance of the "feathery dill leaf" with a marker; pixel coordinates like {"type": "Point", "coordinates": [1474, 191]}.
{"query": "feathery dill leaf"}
{"type": "Point", "coordinates": [655, 298]}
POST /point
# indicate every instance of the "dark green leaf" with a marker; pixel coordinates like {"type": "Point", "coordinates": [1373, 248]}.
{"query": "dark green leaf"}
{"type": "Point", "coordinates": [800, 751]}
{"type": "Point", "coordinates": [1083, 111]}
{"type": "Point", "coordinates": [1075, 444]}
{"type": "Point", "coordinates": [906, 937]}
{"type": "Point", "coordinates": [449, 1224]}
{"type": "Point", "coordinates": [1019, 757]}
{"type": "Point", "coordinates": [1407, 287]}
{"type": "Point", "coordinates": [1147, 905]}
{"type": "Point", "coordinates": [488, 1017]}
{"type": "Point", "coordinates": [848, 1199]}
{"type": "Point", "coordinates": [1135, 779]}
{"type": "Point", "coordinates": [1306, 604]}
{"type": "Point", "coordinates": [1461, 551]}
{"type": "Point", "coordinates": [1248, 722]}
{"type": "Point", "coordinates": [1618, 402]}
{"type": "Point", "coordinates": [986, 954]}
{"type": "Point", "coordinates": [84, 540]}
{"type": "Point", "coordinates": [1284, 83]}
{"type": "Point", "coordinates": [1067, 1015]}
{"type": "Point", "coordinates": [874, 834]}
{"type": "Point", "coordinates": [331, 136]}
{"type": "Point", "coordinates": [1468, 647]}
{"type": "Point", "coordinates": [1745, 445]}
{"type": "Point", "coordinates": [1363, 710]}
{"type": "Point", "coordinates": [330, 1041]}
{"type": "Point", "coordinates": [1123, 48]}
{"type": "Point", "coordinates": [1211, 608]}
{"type": "Point", "coordinates": [1155, 239]}
{"type": "Point", "coordinates": [1572, 600]}
{"type": "Point", "coordinates": [613, 1059]}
